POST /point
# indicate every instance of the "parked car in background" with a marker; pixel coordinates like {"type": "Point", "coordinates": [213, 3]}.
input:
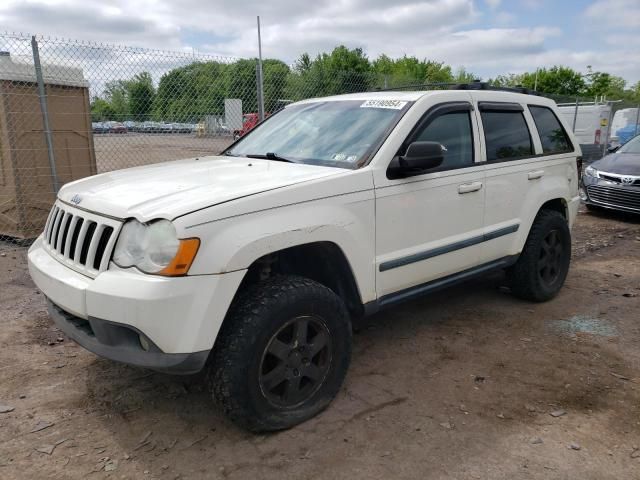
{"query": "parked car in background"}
{"type": "Point", "coordinates": [99, 127]}
{"type": "Point", "coordinates": [131, 126]}
{"type": "Point", "coordinates": [591, 127]}
{"type": "Point", "coordinates": [614, 181]}
{"type": "Point", "coordinates": [150, 127]}
{"type": "Point", "coordinates": [117, 127]}
{"type": "Point", "coordinates": [181, 128]}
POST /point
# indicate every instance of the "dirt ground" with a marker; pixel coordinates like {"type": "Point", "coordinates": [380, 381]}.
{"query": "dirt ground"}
{"type": "Point", "coordinates": [115, 151]}
{"type": "Point", "coordinates": [467, 384]}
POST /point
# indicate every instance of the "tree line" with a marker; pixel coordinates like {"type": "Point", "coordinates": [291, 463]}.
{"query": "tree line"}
{"type": "Point", "coordinates": [188, 93]}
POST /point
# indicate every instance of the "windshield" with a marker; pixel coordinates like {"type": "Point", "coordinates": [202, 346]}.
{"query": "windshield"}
{"type": "Point", "coordinates": [338, 134]}
{"type": "Point", "coordinates": [632, 146]}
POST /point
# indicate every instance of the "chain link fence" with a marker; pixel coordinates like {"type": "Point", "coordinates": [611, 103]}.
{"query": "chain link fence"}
{"type": "Point", "coordinates": [72, 109]}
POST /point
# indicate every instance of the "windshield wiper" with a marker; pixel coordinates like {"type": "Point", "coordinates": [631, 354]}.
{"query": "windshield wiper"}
{"type": "Point", "coordinates": [271, 156]}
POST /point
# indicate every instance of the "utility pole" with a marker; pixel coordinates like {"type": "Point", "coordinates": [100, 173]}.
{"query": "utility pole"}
{"type": "Point", "coordinates": [260, 85]}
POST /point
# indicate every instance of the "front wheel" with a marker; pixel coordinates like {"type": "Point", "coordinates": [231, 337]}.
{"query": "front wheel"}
{"type": "Point", "coordinates": [543, 265]}
{"type": "Point", "coordinates": [282, 353]}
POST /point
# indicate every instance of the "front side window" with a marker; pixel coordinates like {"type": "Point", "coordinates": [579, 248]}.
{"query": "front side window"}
{"type": "Point", "coordinates": [335, 133]}
{"type": "Point", "coordinates": [506, 135]}
{"type": "Point", "coordinates": [632, 146]}
{"type": "Point", "coordinates": [552, 136]}
{"type": "Point", "coordinates": [453, 131]}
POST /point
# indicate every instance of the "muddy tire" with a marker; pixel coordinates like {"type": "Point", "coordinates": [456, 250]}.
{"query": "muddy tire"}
{"type": "Point", "coordinates": [543, 264]}
{"type": "Point", "coordinates": [282, 353]}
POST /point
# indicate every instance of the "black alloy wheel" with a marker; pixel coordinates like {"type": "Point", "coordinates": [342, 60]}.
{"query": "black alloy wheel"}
{"type": "Point", "coordinates": [551, 255]}
{"type": "Point", "coordinates": [296, 361]}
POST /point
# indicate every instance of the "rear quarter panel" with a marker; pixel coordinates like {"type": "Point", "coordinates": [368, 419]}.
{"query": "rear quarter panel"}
{"type": "Point", "coordinates": [512, 197]}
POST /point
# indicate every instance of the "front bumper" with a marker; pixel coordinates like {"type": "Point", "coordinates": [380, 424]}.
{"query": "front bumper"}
{"type": "Point", "coordinates": [608, 194]}
{"type": "Point", "coordinates": [178, 316]}
{"type": "Point", "coordinates": [123, 343]}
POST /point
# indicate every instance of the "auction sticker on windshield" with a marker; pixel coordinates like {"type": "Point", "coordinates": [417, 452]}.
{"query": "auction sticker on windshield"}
{"type": "Point", "coordinates": [392, 104]}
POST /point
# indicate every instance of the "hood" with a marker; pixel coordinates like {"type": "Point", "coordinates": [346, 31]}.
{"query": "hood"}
{"type": "Point", "coordinates": [171, 189]}
{"type": "Point", "coordinates": [620, 163]}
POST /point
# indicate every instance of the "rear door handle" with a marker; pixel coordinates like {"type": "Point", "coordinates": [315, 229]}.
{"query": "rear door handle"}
{"type": "Point", "coordinates": [469, 187]}
{"type": "Point", "coordinates": [535, 175]}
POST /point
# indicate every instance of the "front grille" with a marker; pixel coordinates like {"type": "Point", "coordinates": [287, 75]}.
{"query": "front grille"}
{"type": "Point", "coordinates": [81, 240]}
{"type": "Point", "coordinates": [615, 196]}
{"type": "Point", "coordinates": [635, 181]}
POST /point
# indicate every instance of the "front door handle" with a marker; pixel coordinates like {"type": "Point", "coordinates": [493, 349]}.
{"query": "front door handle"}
{"type": "Point", "coordinates": [535, 175]}
{"type": "Point", "coordinates": [469, 187]}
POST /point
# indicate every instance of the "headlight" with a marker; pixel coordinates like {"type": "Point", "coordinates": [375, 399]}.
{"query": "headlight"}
{"type": "Point", "coordinates": [591, 172]}
{"type": "Point", "coordinates": [154, 248]}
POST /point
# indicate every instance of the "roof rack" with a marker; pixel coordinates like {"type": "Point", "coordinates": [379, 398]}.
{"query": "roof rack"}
{"type": "Point", "coordinates": [475, 85]}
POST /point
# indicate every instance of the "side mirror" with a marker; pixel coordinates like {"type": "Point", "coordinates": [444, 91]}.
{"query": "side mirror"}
{"type": "Point", "coordinates": [420, 156]}
{"type": "Point", "coordinates": [613, 149]}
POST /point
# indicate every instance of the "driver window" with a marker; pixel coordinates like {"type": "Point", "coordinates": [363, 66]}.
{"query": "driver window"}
{"type": "Point", "coordinates": [453, 131]}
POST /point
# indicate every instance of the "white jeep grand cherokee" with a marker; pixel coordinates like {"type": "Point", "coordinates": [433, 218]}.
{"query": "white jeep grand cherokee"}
{"type": "Point", "coordinates": [253, 263]}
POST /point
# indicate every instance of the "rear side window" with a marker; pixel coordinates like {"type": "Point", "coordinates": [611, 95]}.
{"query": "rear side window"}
{"type": "Point", "coordinates": [553, 137]}
{"type": "Point", "coordinates": [506, 135]}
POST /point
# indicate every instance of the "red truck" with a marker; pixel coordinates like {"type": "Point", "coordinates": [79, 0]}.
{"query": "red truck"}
{"type": "Point", "coordinates": [249, 120]}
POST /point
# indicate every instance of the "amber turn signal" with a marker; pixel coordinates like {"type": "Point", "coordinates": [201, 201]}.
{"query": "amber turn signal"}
{"type": "Point", "coordinates": [184, 258]}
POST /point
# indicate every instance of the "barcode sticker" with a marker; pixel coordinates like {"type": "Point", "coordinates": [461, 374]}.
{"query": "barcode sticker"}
{"type": "Point", "coordinates": [392, 104]}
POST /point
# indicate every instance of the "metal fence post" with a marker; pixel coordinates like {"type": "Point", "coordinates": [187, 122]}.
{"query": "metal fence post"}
{"type": "Point", "coordinates": [260, 82]}
{"type": "Point", "coordinates": [45, 113]}
{"type": "Point", "coordinates": [575, 117]}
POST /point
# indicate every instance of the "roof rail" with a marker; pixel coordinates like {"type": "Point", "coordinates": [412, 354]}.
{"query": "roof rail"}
{"type": "Point", "coordinates": [475, 85]}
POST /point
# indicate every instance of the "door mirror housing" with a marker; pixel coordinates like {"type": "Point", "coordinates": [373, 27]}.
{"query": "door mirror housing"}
{"type": "Point", "coordinates": [419, 157]}
{"type": "Point", "coordinates": [613, 148]}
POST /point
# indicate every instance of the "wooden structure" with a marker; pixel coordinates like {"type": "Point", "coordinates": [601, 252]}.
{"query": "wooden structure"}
{"type": "Point", "coordinates": [26, 182]}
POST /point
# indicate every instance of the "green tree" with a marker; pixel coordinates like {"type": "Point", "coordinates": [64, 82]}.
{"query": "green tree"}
{"type": "Point", "coordinates": [556, 80]}
{"type": "Point", "coordinates": [190, 92]}
{"type": "Point", "coordinates": [126, 99]}
{"type": "Point", "coordinates": [141, 94]}
{"type": "Point", "coordinates": [242, 83]}
{"type": "Point", "coordinates": [437, 72]}
{"type": "Point", "coordinates": [275, 79]}
{"type": "Point", "coordinates": [507, 80]}
{"type": "Point", "coordinates": [101, 110]}
{"type": "Point", "coordinates": [117, 95]}
{"type": "Point", "coordinates": [406, 71]}
{"type": "Point", "coordinates": [343, 70]}
{"type": "Point", "coordinates": [464, 76]}
{"type": "Point", "coordinates": [605, 84]}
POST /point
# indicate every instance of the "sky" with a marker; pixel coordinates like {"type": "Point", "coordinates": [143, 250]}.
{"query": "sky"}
{"type": "Point", "coordinates": [487, 37]}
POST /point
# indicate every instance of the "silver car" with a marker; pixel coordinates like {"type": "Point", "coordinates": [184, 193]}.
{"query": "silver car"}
{"type": "Point", "coordinates": [614, 181]}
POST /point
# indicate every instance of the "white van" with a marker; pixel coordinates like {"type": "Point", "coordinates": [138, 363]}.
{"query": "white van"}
{"type": "Point", "coordinates": [590, 126]}
{"type": "Point", "coordinates": [625, 124]}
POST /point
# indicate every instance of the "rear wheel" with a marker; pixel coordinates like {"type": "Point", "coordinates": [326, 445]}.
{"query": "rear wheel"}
{"type": "Point", "coordinates": [282, 354]}
{"type": "Point", "coordinates": [543, 265]}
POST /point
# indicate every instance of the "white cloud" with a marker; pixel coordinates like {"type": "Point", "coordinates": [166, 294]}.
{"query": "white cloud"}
{"type": "Point", "coordinates": [503, 18]}
{"type": "Point", "coordinates": [615, 13]}
{"type": "Point", "coordinates": [444, 30]}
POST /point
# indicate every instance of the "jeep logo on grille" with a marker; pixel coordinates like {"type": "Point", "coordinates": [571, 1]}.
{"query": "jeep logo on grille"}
{"type": "Point", "coordinates": [76, 199]}
{"type": "Point", "coordinates": [628, 180]}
